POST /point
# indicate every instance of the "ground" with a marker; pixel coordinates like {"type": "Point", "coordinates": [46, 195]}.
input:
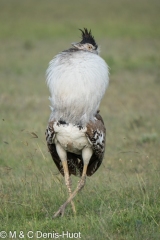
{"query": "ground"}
{"type": "Point", "coordinates": [122, 200]}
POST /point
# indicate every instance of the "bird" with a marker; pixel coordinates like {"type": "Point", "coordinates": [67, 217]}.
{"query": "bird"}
{"type": "Point", "coordinates": [77, 79]}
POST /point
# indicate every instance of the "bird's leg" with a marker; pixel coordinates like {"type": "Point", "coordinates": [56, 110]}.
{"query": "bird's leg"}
{"type": "Point", "coordinates": [63, 156]}
{"type": "Point", "coordinates": [86, 154]}
{"type": "Point", "coordinates": [68, 182]}
{"type": "Point", "coordinates": [80, 185]}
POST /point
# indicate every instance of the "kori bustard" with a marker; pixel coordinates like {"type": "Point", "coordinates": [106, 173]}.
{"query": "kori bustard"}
{"type": "Point", "coordinates": [77, 79]}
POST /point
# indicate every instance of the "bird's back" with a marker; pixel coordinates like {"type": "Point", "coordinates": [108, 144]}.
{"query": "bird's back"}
{"type": "Point", "coordinates": [77, 81]}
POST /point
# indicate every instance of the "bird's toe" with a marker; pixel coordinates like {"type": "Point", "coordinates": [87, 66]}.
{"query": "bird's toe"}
{"type": "Point", "coordinates": [60, 212]}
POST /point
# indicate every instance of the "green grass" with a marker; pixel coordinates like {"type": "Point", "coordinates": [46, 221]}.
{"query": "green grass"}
{"type": "Point", "coordinates": [122, 200]}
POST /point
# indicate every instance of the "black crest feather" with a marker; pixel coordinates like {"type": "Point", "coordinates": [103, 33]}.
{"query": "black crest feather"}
{"type": "Point", "coordinates": [87, 37]}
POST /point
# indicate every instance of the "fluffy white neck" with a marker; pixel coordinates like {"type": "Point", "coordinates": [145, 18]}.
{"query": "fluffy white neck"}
{"type": "Point", "coordinates": [77, 81]}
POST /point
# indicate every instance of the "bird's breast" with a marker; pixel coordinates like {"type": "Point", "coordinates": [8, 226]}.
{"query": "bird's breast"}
{"type": "Point", "coordinates": [71, 137]}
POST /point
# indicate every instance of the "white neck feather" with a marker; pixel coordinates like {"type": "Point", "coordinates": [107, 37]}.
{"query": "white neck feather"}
{"type": "Point", "coordinates": [77, 81]}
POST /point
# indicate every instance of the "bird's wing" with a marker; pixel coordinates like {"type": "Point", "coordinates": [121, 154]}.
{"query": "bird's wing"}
{"type": "Point", "coordinates": [75, 162]}
{"type": "Point", "coordinates": [96, 134]}
{"type": "Point", "coordinates": [50, 134]}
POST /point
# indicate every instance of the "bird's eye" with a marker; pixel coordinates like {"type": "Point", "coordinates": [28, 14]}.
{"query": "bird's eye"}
{"type": "Point", "coordinates": [89, 47]}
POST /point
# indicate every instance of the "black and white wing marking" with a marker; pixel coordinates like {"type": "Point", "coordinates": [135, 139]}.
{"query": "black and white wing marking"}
{"type": "Point", "coordinates": [50, 134]}
{"type": "Point", "coordinates": [96, 134]}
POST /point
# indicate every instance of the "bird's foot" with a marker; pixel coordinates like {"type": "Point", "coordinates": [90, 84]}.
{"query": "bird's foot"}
{"type": "Point", "coordinates": [60, 211]}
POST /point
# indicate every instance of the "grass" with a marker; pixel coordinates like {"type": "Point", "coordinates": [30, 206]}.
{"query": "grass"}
{"type": "Point", "coordinates": [122, 200]}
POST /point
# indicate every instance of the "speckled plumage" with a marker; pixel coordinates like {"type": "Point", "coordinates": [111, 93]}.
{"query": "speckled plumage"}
{"type": "Point", "coordinates": [95, 134]}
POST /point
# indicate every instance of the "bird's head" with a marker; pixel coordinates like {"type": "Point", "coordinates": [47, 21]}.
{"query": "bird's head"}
{"type": "Point", "coordinates": [88, 43]}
